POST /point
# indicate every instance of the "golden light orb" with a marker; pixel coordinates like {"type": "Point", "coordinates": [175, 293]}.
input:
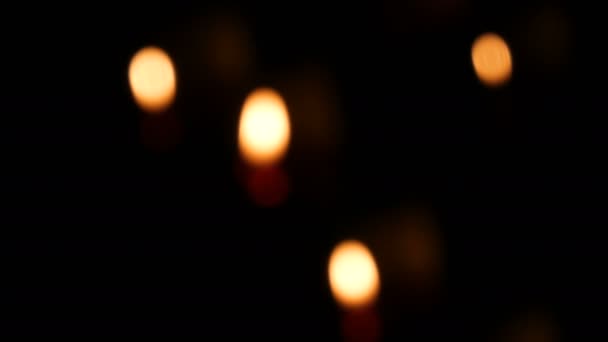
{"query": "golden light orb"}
{"type": "Point", "coordinates": [264, 128]}
{"type": "Point", "coordinates": [491, 59]}
{"type": "Point", "coordinates": [152, 79]}
{"type": "Point", "coordinates": [353, 275]}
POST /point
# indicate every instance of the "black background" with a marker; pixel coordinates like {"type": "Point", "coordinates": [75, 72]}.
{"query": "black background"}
{"type": "Point", "coordinates": [102, 237]}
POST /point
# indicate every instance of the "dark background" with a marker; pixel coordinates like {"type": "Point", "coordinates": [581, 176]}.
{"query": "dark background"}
{"type": "Point", "coordinates": [103, 237]}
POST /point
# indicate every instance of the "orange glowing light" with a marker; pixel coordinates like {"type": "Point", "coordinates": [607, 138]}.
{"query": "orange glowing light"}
{"type": "Point", "coordinates": [264, 128]}
{"type": "Point", "coordinates": [353, 275]}
{"type": "Point", "coordinates": [491, 59]}
{"type": "Point", "coordinates": [152, 79]}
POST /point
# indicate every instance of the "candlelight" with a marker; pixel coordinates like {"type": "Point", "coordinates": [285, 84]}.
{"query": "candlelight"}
{"type": "Point", "coordinates": [264, 128]}
{"type": "Point", "coordinates": [353, 275]}
{"type": "Point", "coordinates": [152, 79]}
{"type": "Point", "coordinates": [491, 59]}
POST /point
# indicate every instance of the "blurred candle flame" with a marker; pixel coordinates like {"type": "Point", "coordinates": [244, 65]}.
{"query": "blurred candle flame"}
{"type": "Point", "coordinates": [491, 59]}
{"type": "Point", "coordinates": [353, 275]}
{"type": "Point", "coordinates": [152, 79]}
{"type": "Point", "coordinates": [264, 128]}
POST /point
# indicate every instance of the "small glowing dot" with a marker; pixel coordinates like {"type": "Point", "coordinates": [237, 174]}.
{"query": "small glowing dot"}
{"type": "Point", "coordinates": [152, 79]}
{"type": "Point", "coordinates": [491, 59]}
{"type": "Point", "coordinates": [353, 275]}
{"type": "Point", "coordinates": [264, 128]}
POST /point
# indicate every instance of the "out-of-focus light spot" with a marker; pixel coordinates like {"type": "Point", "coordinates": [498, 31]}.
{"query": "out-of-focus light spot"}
{"type": "Point", "coordinates": [317, 130]}
{"type": "Point", "coordinates": [353, 275]}
{"type": "Point", "coordinates": [421, 250]}
{"type": "Point", "coordinates": [264, 128]}
{"type": "Point", "coordinates": [531, 327]}
{"type": "Point", "coordinates": [361, 325]}
{"type": "Point", "coordinates": [268, 187]}
{"type": "Point", "coordinates": [160, 132]}
{"type": "Point", "coordinates": [314, 110]}
{"type": "Point", "coordinates": [152, 79]}
{"type": "Point", "coordinates": [229, 51]}
{"type": "Point", "coordinates": [549, 39]}
{"type": "Point", "coordinates": [491, 59]}
{"type": "Point", "coordinates": [412, 254]}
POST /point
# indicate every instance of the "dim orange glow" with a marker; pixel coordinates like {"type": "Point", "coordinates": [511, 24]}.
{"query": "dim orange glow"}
{"type": "Point", "coordinates": [228, 52]}
{"type": "Point", "coordinates": [533, 326]}
{"type": "Point", "coordinates": [152, 79]}
{"type": "Point", "coordinates": [160, 133]}
{"type": "Point", "coordinates": [264, 128]}
{"type": "Point", "coordinates": [549, 39]}
{"type": "Point", "coordinates": [361, 326]}
{"type": "Point", "coordinates": [421, 249]}
{"type": "Point", "coordinates": [491, 59]}
{"type": "Point", "coordinates": [268, 187]}
{"type": "Point", "coordinates": [353, 275]}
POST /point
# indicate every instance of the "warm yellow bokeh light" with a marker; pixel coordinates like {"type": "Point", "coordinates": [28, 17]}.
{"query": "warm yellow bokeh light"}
{"type": "Point", "coordinates": [264, 128]}
{"type": "Point", "coordinates": [491, 59]}
{"type": "Point", "coordinates": [152, 79]}
{"type": "Point", "coordinates": [353, 275]}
